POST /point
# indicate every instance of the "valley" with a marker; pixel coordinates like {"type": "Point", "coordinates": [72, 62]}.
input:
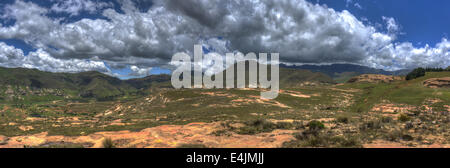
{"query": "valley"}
{"type": "Point", "coordinates": [86, 112]}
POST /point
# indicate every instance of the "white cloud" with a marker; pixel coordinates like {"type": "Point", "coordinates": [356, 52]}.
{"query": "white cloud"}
{"type": "Point", "coordinates": [357, 5]}
{"type": "Point", "coordinates": [13, 57]}
{"type": "Point", "coordinates": [391, 25]}
{"type": "Point", "coordinates": [139, 71]}
{"type": "Point", "coordinates": [300, 31]}
{"type": "Point", "coordinates": [75, 7]}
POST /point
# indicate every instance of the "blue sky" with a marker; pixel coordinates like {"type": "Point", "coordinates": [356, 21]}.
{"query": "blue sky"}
{"type": "Point", "coordinates": [420, 23]}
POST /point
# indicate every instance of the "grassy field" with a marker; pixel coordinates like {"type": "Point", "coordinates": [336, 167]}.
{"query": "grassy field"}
{"type": "Point", "coordinates": [346, 115]}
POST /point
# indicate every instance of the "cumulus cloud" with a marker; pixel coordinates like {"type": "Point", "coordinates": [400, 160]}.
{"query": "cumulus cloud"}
{"type": "Point", "coordinates": [300, 31]}
{"type": "Point", "coordinates": [75, 7]}
{"type": "Point", "coordinates": [12, 57]}
{"type": "Point", "coordinates": [391, 25]}
{"type": "Point", "coordinates": [139, 71]}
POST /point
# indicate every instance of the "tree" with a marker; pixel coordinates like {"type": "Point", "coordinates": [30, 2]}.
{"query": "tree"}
{"type": "Point", "coordinates": [416, 73]}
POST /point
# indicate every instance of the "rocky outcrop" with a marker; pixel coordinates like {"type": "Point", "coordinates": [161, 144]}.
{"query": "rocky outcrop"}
{"type": "Point", "coordinates": [373, 78]}
{"type": "Point", "coordinates": [437, 82]}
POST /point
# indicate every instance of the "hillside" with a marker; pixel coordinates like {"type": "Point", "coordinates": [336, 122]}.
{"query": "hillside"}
{"type": "Point", "coordinates": [20, 83]}
{"type": "Point", "coordinates": [373, 78]}
{"type": "Point", "coordinates": [343, 72]}
{"type": "Point", "coordinates": [360, 114]}
{"type": "Point", "coordinates": [289, 77]}
{"type": "Point", "coordinates": [31, 84]}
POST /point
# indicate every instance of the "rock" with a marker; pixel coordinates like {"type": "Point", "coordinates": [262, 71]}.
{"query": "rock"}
{"type": "Point", "coordinates": [3, 140]}
{"type": "Point", "coordinates": [373, 78]}
{"type": "Point", "coordinates": [437, 82]}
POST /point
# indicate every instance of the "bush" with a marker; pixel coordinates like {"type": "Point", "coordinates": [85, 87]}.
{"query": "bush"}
{"type": "Point", "coordinates": [386, 119]}
{"type": "Point", "coordinates": [396, 135]}
{"type": "Point", "coordinates": [284, 125]}
{"type": "Point", "coordinates": [262, 125]}
{"type": "Point", "coordinates": [192, 146]}
{"type": "Point", "coordinates": [316, 125]}
{"type": "Point", "coordinates": [409, 125]}
{"type": "Point", "coordinates": [403, 118]}
{"type": "Point", "coordinates": [305, 139]}
{"type": "Point", "coordinates": [108, 143]}
{"type": "Point", "coordinates": [342, 119]}
{"type": "Point", "coordinates": [371, 125]}
{"type": "Point", "coordinates": [221, 133]}
{"type": "Point", "coordinates": [257, 126]}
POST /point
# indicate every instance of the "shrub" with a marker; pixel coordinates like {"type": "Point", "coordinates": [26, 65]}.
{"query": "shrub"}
{"type": "Point", "coordinates": [409, 125]}
{"type": "Point", "coordinates": [403, 118]}
{"type": "Point", "coordinates": [371, 125]}
{"type": "Point", "coordinates": [304, 139]}
{"type": "Point", "coordinates": [386, 119]}
{"type": "Point", "coordinates": [108, 143]}
{"type": "Point", "coordinates": [395, 135]}
{"type": "Point", "coordinates": [316, 125]}
{"type": "Point", "coordinates": [284, 125]}
{"type": "Point", "coordinates": [221, 133]}
{"type": "Point", "coordinates": [342, 119]}
{"type": "Point", "coordinates": [257, 126]}
{"type": "Point", "coordinates": [192, 146]}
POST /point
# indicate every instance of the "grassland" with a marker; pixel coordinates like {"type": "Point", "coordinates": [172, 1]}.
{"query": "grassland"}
{"type": "Point", "coordinates": [402, 113]}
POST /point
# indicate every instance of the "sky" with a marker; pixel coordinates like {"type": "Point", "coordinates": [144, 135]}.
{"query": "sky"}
{"type": "Point", "coordinates": [136, 38]}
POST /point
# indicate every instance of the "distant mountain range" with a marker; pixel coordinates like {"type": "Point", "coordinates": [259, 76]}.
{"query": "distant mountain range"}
{"type": "Point", "coordinates": [31, 84]}
{"type": "Point", "coordinates": [343, 72]}
{"type": "Point", "coordinates": [20, 83]}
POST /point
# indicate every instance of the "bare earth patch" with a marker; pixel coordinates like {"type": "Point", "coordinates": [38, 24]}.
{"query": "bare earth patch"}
{"type": "Point", "coordinates": [389, 144]}
{"type": "Point", "coordinates": [294, 93]}
{"type": "Point", "coordinates": [437, 82]}
{"type": "Point", "coordinates": [166, 136]}
{"type": "Point", "coordinates": [393, 110]}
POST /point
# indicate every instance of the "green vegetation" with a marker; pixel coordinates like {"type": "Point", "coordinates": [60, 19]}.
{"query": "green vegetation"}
{"type": "Point", "coordinates": [261, 125]}
{"type": "Point", "coordinates": [316, 125]}
{"type": "Point", "coordinates": [108, 143]}
{"type": "Point", "coordinates": [192, 146]}
{"type": "Point", "coordinates": [342, 119]}
{"type": "Point", "coordinates": [346, 115]}
{"type": "Point", "coordinates": [403, 118]}
{"type": "Point", "coordinates": [419, 72]}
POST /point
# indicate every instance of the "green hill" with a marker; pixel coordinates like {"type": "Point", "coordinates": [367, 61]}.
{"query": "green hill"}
{"type": "Point", "coordinates": [289, 77]}
{"type": "Point", "coordinates": [19, 83]}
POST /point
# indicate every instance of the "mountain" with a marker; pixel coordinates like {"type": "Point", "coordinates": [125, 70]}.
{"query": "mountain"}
{"type": "Point", "coordinates": [290, 77]}
{"type": "Point", "coordinates": [18, 83]}
{"type": "Point", "coordinates": [343, 72]}
{"type": "Point", "coordinates": [32, 84]}
{"type": "Point", "coordinates": [152, 81]}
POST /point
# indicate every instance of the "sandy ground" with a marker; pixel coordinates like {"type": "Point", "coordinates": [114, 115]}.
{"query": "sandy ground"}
{"type": "Point", "coordinates": [167, 136]}
{"type": "Point", "coordinates": [388, 144]}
